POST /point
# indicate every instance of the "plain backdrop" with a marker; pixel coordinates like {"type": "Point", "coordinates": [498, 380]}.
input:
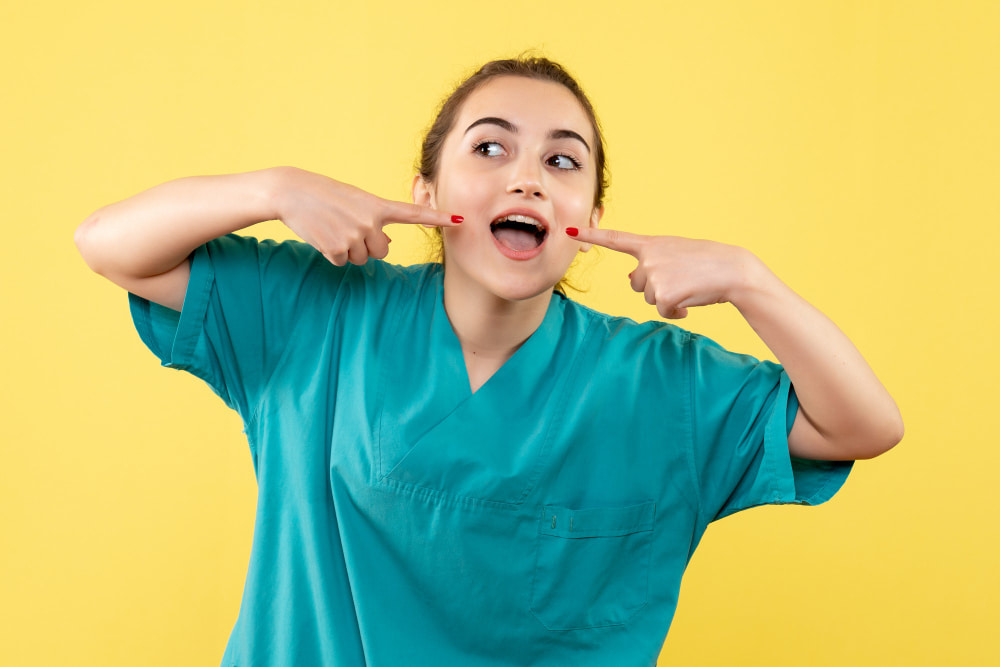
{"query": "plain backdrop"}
{"type": "Point", "coordinates": [852, 145]}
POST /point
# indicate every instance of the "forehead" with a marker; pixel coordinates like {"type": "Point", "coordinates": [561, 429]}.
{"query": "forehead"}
{"type": "Point", "coordinates": [530, 104]}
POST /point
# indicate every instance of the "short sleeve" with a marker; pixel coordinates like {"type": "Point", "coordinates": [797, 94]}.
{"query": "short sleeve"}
{"type": "Point", "coordinates": [242, 302]}
{"type": "Point", "coordinates": [742, 412]}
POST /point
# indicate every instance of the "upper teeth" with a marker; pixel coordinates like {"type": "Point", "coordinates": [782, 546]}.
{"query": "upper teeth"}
{"type": "Point", "coordinates": [516, 217]}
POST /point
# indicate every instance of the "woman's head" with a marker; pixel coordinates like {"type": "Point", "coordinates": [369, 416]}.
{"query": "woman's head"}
{"type": "Point", "coordinates": [541, 69]}
{"type": "Point", "coordinates": [517, 138]}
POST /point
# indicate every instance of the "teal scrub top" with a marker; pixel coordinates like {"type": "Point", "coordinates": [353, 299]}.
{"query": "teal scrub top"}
{"type": "Point", "coordinates": [545, 519]}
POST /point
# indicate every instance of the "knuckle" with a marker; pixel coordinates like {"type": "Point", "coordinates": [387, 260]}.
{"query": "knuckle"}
{"type": "Point", "coordinates": [386, 211]}
{"type": "Point", "coordinates": [381, 208]}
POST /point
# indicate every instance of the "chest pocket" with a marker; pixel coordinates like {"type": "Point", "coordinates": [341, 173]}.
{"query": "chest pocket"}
{"type": "Point", "coordinates": [591, 565]}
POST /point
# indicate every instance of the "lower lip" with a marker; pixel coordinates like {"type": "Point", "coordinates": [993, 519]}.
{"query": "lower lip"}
{"type": "Point", "coordinates": [520, 255]}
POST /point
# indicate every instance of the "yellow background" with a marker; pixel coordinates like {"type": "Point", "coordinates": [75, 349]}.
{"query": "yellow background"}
{"type": "Point", "coordinates": [852, 145]}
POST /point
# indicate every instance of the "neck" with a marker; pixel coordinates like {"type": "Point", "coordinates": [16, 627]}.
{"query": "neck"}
{"type": "Point", "coordinates": [489, 326]}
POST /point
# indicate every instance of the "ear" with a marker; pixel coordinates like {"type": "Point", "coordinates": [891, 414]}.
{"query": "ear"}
{"type": "Point", "coordinates": [422, 192]}
{"type": "Point", "coordinates": [595, 218]}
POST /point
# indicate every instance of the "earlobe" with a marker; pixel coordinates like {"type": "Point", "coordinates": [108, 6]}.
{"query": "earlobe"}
{"type": "Point", "coordinates": [596, 216]}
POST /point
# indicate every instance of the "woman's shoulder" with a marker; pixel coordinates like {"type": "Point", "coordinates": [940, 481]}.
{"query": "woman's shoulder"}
{"type": "Point", "coordinates": [618, 329]}
{"type": "Point", "coordinates": [621, 346]}
{"type": "Point", "coordinates": [294, 259]}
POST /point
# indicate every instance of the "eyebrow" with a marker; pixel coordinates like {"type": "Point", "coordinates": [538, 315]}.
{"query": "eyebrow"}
{"type": "Point", "coordinates": [510, 127]}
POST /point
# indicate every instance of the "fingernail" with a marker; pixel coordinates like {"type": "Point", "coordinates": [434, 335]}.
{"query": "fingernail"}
{"type": "Point", "coordinates": [457, 218]}
{"type": "Point", "coordinates": [572, 231]}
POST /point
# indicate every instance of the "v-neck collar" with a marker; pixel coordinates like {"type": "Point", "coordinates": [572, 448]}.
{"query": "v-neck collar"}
{"type": "Point", "coordinates": [436, 435]}
{"type": "Point", "coordinates": [533, 352]}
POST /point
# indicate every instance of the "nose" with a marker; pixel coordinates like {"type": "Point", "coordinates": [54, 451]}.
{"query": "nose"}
{"type": "Point", "coordinates": [526, 179]}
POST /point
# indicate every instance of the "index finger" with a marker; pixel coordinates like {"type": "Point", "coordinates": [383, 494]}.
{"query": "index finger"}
{"type": "Point", "coordinates": [414, 214]}
{"type": "Point", "coordinates": [610, 238]}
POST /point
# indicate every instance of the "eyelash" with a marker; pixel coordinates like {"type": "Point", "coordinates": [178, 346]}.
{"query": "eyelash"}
{"type": "Point", "coordinates": [478, 146]}
{"type": "Point", "coordinates": [478, 149]}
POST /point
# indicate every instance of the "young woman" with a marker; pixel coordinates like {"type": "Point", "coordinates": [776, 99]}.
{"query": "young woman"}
{"type": "Point", "coordinates": [457, 465]}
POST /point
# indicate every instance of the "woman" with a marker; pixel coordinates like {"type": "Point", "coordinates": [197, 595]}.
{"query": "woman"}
{"type": "Point", "coordinates": [456, 464]}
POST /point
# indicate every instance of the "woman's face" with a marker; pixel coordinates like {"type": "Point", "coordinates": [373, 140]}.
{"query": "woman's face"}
{"type": "Point", "coordinates": [518, 165]}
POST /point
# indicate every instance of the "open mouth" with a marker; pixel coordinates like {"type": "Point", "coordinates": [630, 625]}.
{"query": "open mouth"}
{"type": "Point", "coordinates": [518, 232]}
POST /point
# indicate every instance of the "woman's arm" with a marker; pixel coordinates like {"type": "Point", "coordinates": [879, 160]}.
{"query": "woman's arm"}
{"type": "Point", "coordinates": [844, 411]}
{"type": "Point", "coordinates": [142, 243]}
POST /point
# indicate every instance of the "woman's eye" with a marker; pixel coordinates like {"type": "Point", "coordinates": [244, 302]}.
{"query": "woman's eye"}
{"type": "Point", "coordinates": [564, 162]}
{"type": "Point", "coordinates": [489, 148]}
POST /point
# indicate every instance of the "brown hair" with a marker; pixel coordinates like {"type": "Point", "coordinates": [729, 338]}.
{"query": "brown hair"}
{"type": "Point", "coordinates": [530, 67]}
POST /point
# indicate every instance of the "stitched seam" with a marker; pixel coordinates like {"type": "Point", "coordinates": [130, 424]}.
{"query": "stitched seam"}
{"type": "Point", "coordinates": [688, 365]}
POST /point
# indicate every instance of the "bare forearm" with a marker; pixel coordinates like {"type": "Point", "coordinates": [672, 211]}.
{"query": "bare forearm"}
{"type": "Point", "coordinates": [155, 231]}
{"type": "Point", "coordinates": [850, 414]}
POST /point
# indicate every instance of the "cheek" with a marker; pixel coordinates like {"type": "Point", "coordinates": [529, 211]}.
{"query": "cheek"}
{"type": "Point", "coordinates": [463, 196]}
{"type": "Point", "coordinates": [464, 239]}
{"type": "Point", "coordinates": [574, 202]}
{"type": "Point", "coordinates": [578, 215]}
{"type": "Point", "coordinates": [565, 249]}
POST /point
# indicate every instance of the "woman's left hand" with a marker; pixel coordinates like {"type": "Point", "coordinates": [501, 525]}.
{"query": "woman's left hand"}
{"type": "Point", "coordinates": [676, 273]}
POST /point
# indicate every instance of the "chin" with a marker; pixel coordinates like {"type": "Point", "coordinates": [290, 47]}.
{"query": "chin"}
{"type": "Point", "coordinates": [509, 281]}
{"type": "Point", "coordinates": [521, 290]}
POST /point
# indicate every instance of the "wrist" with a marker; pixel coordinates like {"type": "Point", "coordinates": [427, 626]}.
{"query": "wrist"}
{"type": "Point", "coordinates": [754, 282]}
{"type": "Point", "coordinates": [273, 187]}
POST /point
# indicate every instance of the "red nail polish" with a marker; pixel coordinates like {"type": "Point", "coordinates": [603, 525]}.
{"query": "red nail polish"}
{"type": "Point", "coordinates": [572, 231]}
{"type": "Point", "coordinates": [457, 218]}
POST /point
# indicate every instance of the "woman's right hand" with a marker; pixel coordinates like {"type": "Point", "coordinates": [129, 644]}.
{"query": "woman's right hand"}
{"type": "Point", "coordinates": [341, 221]}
